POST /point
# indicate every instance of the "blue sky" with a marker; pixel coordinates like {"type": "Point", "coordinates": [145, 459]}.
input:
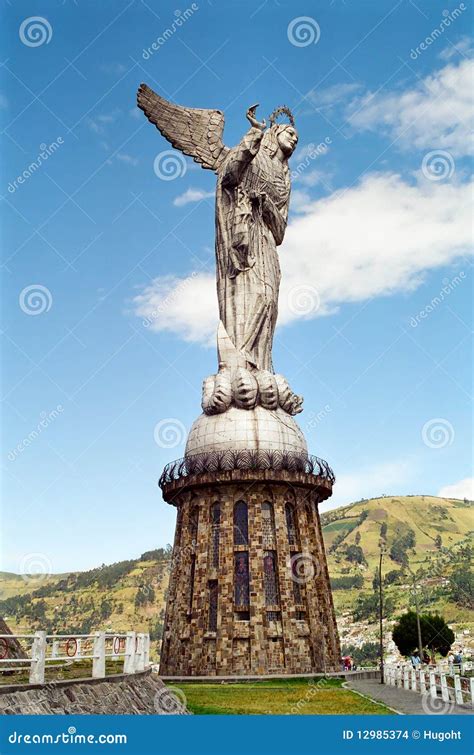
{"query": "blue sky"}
{"type": "Point", "coordinates": [375, 305]}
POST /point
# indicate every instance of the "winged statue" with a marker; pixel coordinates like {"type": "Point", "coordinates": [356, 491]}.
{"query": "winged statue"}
{"type": "Point", "coordinates": [252, 199]}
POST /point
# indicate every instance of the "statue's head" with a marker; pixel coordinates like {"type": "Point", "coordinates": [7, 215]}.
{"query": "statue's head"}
{"type": "Point", "coordinates": [287, 137]}
{"type": "Point", "coordinates": [280, 135]}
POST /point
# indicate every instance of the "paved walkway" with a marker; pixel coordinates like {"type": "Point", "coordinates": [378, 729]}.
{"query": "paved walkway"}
{"type": "Point", "coordinates": [405, 701]}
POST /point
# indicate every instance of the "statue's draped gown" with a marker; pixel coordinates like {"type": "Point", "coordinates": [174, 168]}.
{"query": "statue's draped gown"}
{"type": "Point", "coordinates": [249, 227]}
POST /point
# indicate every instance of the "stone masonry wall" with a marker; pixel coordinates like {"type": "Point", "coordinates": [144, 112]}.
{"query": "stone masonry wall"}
{"type": "Point", "coordinates": [295, 634]}
{"type": "Point", "coordinates": [138, 694]}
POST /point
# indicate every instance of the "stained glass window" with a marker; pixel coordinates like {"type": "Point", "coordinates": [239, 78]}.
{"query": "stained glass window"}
{"type": "Point", "coordinates": [213, 593]}
{"type": "Point", "coordinates": [193, 525]}
{"type": "Point", "coordinates": [241, 579]}
{"type": "Point", "coordinates": [268, 526]}
{"type": "Point", "coordinates": [215, 524]}
{"type": "Point", "coordinates": [191, 582]}
{"type": "Point", "coordinates": [241, 526]}
{"type": "Point", "coordinates": [291, 524]}
{"type": "Point", "coordinates": [270, 579]}
{"type": "Point", "coordinates": [295, 578]}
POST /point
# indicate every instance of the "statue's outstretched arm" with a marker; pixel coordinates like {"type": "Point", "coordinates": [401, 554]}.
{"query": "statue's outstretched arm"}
{"type": "Point", "coordinates": [240, 156]}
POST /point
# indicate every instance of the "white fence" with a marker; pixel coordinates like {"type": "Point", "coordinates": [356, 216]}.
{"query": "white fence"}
{"type": "Point", "coordinates": [433, 682]}
{"type": "Point", "coordinates": [49, 650]}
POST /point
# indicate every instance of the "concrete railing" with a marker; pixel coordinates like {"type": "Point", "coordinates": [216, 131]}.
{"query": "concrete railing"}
{"type": "Point", "coordinates": [438, 684]}
{"type": "Point", "coordinates": [49, 650]}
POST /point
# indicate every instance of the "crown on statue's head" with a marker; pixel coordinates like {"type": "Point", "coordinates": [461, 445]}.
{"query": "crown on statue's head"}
{"type": "Point", "coordinates": [282, 110]}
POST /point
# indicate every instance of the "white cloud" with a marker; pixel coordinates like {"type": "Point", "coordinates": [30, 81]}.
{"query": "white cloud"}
{"type": "Point", "coordinates": [462, 47]}
{"type": "Point", "coordinates": [328, 97]}
{"type": "Point", "coordinates": [113, 67]}
{"type": "Point", "coordinates": [186, 306]}
{"type": "Point", "coordinates": [125, 158]}
{"type": "Point", "coordinates": [100, 122]}
{"type": "Point", "coordinates": [462, 489]}
{"type": "Point", "coordinates": [374, 239]}
{"type": "Point", "coordinates": [436, 114]}
{"type": "Point", "coordinates": [192, 195]}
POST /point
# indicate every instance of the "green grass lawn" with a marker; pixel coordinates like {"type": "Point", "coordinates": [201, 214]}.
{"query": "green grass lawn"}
{"type": "Point", "coordinates": [279, 697]}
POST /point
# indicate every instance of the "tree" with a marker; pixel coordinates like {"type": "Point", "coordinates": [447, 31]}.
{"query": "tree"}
{"type": "Point", "coordinates": [367, 607]}
{"type": "Point", "coordinates": [357, 538]}
{"type": "Point", "coordinates": [435, 633]}
{"type": "Point", "coordinates": [355, 554]}
{"type": "Point", "coordinates": [438, 542]}
{"type": "Point", "coordinates": [383, 530]}
{"type": "Point", "coordinates": [462, 586]}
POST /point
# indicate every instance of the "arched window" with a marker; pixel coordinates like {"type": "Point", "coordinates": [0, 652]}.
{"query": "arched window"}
{"type": "Point", "coordinates": [241, 525]}
{"type": "Point", "coordinates": [215, 526]}
{"type": "Point", "coordinates": [296, 561]}
{"type": "Point", "coordinates": [268, 525]}
{"type": "Point", "coordinates": [213, 594]}
{"type": "Point", "coordinates": [193, 525]}
{"type": "Point", "coordinates": [270, 579]}
{"type": "Point", "coordinates": [291, 524]}
{"type": "Point", "coordinates": [241, 579]}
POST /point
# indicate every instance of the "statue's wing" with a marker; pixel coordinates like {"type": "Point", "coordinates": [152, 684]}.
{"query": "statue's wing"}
{"type": "Point", "coordinates": [196, 132]}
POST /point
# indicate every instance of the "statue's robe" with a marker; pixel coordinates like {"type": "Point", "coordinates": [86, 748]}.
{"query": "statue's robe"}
{"type": "Point", "coordinates": [248, 231]}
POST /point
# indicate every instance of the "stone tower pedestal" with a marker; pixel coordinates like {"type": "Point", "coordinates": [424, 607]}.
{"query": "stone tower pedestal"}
{"type": "Point", "coordinates": [249, 589]}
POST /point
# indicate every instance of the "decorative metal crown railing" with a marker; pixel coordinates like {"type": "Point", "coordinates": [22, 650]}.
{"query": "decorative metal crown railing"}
{"type": "Point", "coordinates": [224, 461]}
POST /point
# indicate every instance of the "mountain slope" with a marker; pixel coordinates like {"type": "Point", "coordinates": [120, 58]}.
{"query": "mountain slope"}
{"type": "Point", "coordinates": [421, 534]}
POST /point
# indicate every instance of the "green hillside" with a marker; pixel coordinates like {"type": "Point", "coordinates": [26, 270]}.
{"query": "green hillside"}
{"type": "Point", "coordinates": [422, 535]}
